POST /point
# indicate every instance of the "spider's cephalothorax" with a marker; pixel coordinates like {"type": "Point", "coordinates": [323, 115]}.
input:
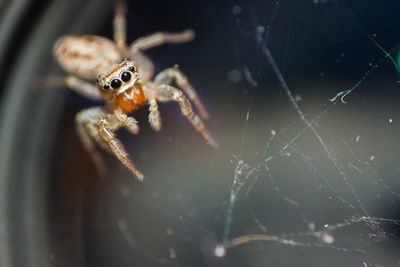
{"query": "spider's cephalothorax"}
{"type": "Point", "coordinates": [97, 72]}
{"type": "Point", "coordinates": [123, 86]}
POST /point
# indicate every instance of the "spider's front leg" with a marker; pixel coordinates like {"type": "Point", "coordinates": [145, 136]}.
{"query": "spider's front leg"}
{"type": "Point", "coordinates": [106, 131]}
{"type": "Point", "coordinates": [167, 93]}
{"type": "Point", "coordinates": [168, 75]}
{"type": "Point", "coordinates": [86, 121]}
{"type": "Point", "coordinates": [95, 123]}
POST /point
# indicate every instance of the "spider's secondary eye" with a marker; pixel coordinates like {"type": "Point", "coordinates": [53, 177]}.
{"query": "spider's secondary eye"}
{"type": "Point", "coordinates": [106, 86]}
{"type": "Point", "coordinates": [132, 68]}
{"type": "Point", "coordinates": [116, 83]}
{"type": "Point", "coordinates": [126, 76]}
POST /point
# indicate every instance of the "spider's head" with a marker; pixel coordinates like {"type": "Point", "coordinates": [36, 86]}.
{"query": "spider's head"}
{"type": "Point", "coordinates": [120, 78]}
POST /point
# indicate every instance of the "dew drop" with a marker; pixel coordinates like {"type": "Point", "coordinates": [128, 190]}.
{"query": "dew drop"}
{"type": "Point", "coordinates": [220, 251]}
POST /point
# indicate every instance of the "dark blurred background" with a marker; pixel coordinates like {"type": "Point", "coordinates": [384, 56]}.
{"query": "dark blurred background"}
{"type": "Point", "coordinates": [55, 210]}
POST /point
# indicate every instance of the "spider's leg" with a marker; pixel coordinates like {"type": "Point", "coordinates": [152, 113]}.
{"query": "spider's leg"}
{"type": "Point", "coordinates": [129, 122]}
{"type": "Point", "coordinates": [76, 84]}
{"type": "Point", "coordinates": [167, 93]}
{"type": "Point", "coordinates": [146, 68]}
{"type": "Point", "coordinates": [154, 114]}
{"type": "Point", "coordinates": [89, 90]}
{"type": "Point", "coordinates": [94, 133]}
{"type": "Point", "coordinates": [93, 116]}
{"type": "Point", "coordinates": [167, 76]}
{"type": "Point", "coordinates": [120, 25]}
{"type": "Point", "coordinates": [84, 119]}
{"type": "Point", "coordinates": [105, 129]}
{"type": "Point", "coordinates": [159, 38]}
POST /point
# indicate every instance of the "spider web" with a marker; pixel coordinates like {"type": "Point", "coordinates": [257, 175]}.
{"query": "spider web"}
{"type": "Point", "coordinates": [308, 173]}
{"type": "Point", "coordinates": [332, 163]}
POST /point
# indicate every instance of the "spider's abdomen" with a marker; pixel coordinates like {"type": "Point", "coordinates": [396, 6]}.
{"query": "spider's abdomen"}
{"type": "Point", "coordinates": [86, 56]}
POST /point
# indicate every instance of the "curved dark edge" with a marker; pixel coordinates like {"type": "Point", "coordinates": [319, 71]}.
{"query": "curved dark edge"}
{"type": "Point", "coordinates": [17, 19]}
{"type": "Point", "coordinates": [28, 122]}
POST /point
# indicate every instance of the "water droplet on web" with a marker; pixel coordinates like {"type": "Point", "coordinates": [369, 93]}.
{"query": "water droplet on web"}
{"type": "Point", "coordinates": [327, 238]}
{"type": "Point", "coordinates": [234, 76]}
{"type": "Point", "coordinates": [220, 251]}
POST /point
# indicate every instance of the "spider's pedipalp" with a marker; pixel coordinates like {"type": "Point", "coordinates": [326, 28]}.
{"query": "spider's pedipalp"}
{"type": "Point", "coordinates": [129, 122]}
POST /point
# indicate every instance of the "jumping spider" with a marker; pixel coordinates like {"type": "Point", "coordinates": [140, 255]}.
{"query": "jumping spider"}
{"type": "Point", "coordinates": [97, 72]}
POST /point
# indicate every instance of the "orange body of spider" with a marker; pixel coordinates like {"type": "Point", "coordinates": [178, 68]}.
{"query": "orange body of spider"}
{"type": "Point", "coordinates": [138, 99]}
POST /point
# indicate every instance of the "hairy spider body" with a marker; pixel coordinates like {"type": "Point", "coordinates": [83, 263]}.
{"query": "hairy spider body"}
{"type": "Point", "coordinates": [122, 77]}
{"type": "Point", "coordinates": [86, 56]}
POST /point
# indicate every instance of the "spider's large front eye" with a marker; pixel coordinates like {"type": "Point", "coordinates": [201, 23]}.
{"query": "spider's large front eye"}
{"type": "Point", "coordinates": [126, 76]}
{"type": "Point", "coordinates": [116, 83]}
